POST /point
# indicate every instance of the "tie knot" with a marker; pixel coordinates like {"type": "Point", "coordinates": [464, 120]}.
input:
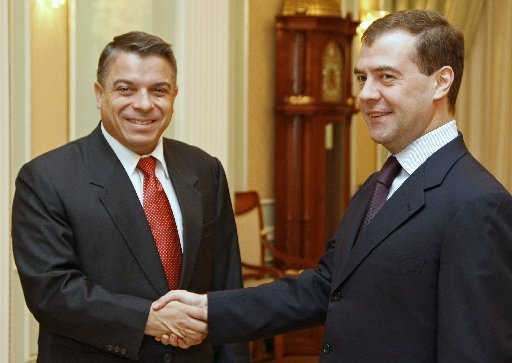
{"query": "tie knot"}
{"type": "Point", "coordinates": [147, 165]}
{"type": "Point", "coordinates": [389, 171]}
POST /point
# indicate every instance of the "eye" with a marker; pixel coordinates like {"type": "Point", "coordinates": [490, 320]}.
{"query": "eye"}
{"type": "Point", "coordinates": [361, 78]}
{"type": "Point", "coordinates": [386, 77]}
{"type": "Point", "coordinates": [160, 91]}
{"type": "Point", "coordinates": [124, 90]}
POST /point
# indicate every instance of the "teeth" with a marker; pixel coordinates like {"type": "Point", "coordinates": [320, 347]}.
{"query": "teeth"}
{"type": "Point", "coordinates": [140, 122]}
{"type": "Point", "coordinates": [377, 114]}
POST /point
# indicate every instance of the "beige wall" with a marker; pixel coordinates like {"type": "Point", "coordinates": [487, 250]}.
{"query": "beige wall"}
{"type": "Point", "coordinates": [38, 123]}
{"type": "Point", "coordinates": [260, 128]}
{"type": "Point", "coordinates": [4, 186]}
{"type": "Point", "coordinates": [49, 77]}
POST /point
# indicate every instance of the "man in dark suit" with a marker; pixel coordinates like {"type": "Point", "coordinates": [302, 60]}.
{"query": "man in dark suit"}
{"type": "Point", "coordinates": [90, 248]}
{"type": "Point", "coordinates": [428, 278]}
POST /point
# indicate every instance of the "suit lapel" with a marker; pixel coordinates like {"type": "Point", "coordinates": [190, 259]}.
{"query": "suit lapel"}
{"type": "Point", "coordinates": [398, 209]}
{"type": "Point", "coordinates": [121, 202]}
{"type": "Point", "coordinates": [347, 233]}
{"type": "Point", "coordinates": [191, 206]}
{"type": "Point", "coordinates": [406, 201]}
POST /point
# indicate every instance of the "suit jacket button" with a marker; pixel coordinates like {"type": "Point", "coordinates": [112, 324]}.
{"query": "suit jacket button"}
{"type": "Point", "coordinates": [110, 347]}
{"type": "Point", "coordinates": [326, 349]}
{"type": "Point", "coordinates": [336, 296]}
{"type": "Point", "coordinates": [167, 358]}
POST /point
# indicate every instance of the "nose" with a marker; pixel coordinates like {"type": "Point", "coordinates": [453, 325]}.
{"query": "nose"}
{"type": "Point", "coordinates": [369, 91]}
{"type": "Point", "coordinates": [143, 101]}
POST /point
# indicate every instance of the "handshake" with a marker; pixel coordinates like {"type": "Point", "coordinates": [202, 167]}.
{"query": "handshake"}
{"type": "Point", "coordinates": [179, 318]}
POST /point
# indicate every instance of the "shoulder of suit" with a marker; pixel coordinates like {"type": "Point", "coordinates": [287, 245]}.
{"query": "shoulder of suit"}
{"type": "Point", "coordinates": [181, 148]}
{"type": "Point", "coordinates": [69, 154]}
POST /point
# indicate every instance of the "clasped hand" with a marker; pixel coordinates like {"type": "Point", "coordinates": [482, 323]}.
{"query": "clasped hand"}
{"type": "Point", "coordinates": [179, 318]}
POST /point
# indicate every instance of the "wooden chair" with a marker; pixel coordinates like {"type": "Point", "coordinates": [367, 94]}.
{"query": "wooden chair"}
{"type": "Point", "coordinates": [254, 246]}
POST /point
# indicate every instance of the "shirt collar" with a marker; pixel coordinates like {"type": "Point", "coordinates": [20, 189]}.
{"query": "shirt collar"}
{"type": "Point", "coordinates": [418, 151]}
{"type": "Point", "coordinates": [128, 158]}
{"type": "Point", "coordinates": [158, 154]}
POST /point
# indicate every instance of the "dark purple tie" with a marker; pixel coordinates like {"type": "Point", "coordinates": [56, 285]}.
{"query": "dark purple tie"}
{"type": "Point", "coordinates": [380, 192]}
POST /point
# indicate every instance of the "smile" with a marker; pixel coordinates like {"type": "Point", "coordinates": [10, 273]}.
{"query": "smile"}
{"type": "Point", "coordinates": [377, 114]}
{"type": "Point", "coordinates": [139, 122]}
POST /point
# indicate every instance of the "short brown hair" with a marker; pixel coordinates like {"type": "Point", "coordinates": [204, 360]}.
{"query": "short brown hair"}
{"type": "Point", "coordinates": [137, 42]}
{"type": "Point", "coordinates": [438, 44]}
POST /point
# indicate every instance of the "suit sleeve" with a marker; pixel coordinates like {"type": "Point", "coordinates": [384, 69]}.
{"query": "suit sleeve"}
{"type": "Point", "coordinates": [59, 295]}
{"type": "Point", "coordinates": [227, 272]}
{"type": "Point", "coordinates": [289, 303]}
{"type": "Point", "coordinates": [475, 284]}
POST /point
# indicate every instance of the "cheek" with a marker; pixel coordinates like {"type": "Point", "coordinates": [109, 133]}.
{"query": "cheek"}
{"type": "Point", "coordinates": [119, 106]}
{"type": "Point", "coordinates": [166, 108]}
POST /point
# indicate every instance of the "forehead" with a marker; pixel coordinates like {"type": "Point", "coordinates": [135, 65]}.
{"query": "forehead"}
{"type": "Point", "coordinates": [392, 48]}
{"type": "Point", "coordinates": [131, 65]}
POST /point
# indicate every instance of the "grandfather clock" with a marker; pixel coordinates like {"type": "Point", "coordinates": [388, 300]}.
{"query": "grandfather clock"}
{"type": "Point", "coordinates": [313, 109]}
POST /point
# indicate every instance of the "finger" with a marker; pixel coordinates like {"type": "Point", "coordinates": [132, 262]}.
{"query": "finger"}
{"type": "Point", "coordinates": [184, 323]}
{"type": "Point", "coordinates": [189, 336]}
{"type": "Point", "coordinates": [183, 296]}
{"type": "Point", "coordinates": [194, 335]}
{"type": "Point", "coordinates": [173, 339]}
{"type": "Point", "coordinates": [192, 328]}
{"type": "Point", "coordinates": [183, 344]}
{"type": "Point", "coordinates": [165, 339]}
{"type": "Point", "coordinates": [173, 295]}
{"type": "Point", "coordinates": [176, 319]}
{"type": "Point", "coordinates": [192, 340]}
{"type": "Point", "coordinates": [198, 313]}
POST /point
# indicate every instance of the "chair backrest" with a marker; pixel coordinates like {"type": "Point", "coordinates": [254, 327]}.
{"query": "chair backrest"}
{"type": "Point", "coordinates": [249, 224]}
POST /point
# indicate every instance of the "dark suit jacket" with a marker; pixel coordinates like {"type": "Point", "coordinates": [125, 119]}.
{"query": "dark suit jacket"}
{"type": "Point", "coordinates": [429, 280]}
{"type": "Point", "coordinates": [87, 260]}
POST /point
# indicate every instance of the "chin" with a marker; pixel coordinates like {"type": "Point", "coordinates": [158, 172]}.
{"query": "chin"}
{"type": "Point", "coordinates": [378, 138]}
{"type": "Point", "coordinates": [142, 147]}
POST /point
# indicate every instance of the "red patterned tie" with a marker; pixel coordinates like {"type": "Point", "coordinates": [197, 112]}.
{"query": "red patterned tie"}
{"type": "Point", "coordinates": [161, 221]}
{"type": "Point", "coordinates": [380, 192]}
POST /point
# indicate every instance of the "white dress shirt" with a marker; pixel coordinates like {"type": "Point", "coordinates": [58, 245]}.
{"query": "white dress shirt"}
{"type": "Point", "coordinates": [129, 160]}
{"type": "Point", "coordinates": [418, 151]}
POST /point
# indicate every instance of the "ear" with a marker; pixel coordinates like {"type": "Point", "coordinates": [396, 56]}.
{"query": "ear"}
{"type": "Point", "coordinates": [98, 90]}
{"type": "Point", "coordinates": [444, 79]}
{"type": "Point", "coordinates": [176, 91]}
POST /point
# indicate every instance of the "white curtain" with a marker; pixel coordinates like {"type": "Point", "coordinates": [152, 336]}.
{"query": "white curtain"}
{"type": "Point", "coordinates": [485, 98]}
{"type": "Point", "coordinates": [486, 94]}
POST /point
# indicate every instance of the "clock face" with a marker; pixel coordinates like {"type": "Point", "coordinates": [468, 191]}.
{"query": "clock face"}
{"type": "Point", "coordinates": [331, 82]}
{"type": "Point", "coordinates": [331, 73]}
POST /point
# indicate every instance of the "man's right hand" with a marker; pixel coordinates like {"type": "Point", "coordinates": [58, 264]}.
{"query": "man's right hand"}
{"type": "Point", "coordinates": [173, 319]}
{"type": "Point", "coordinates": [198, 304]}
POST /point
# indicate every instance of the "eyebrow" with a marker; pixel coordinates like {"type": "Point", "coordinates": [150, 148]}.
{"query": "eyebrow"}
{"type": "Point", "coordinates": [157, 84]}
{"type": "Point", "coordinates": [117, 81]}
{"type": "Point", "coordinates": [386, 68]}
{"type": "Point", "coordinates": [378, 69]}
